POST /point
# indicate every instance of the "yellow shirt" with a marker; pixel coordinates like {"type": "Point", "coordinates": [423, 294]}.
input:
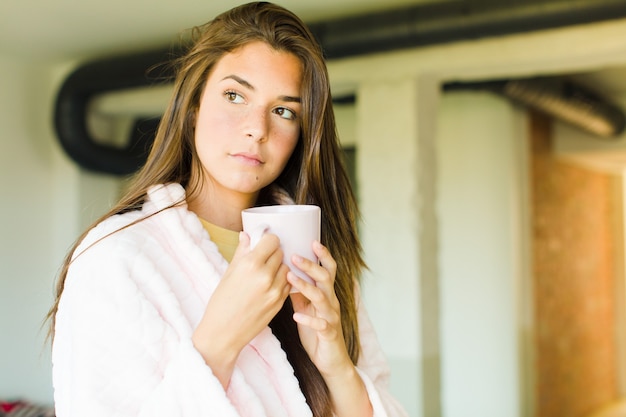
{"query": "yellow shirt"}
{"type": "Point", "coordinates": [226, 240]}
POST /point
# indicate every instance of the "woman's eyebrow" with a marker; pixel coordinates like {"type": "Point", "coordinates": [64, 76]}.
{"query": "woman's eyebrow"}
{"type": "Point", "coordinates": [240, 81]}
{"type": "Point", "coordinates": [290, 99]}
{"type": "Point", "coordinates": [249, 86]}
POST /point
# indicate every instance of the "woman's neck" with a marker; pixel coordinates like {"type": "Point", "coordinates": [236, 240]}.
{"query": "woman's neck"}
{"type": "Point", "coordinates": [221, 208]}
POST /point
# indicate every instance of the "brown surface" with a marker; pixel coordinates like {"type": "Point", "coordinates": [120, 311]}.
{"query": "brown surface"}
{"type": "Point", "coordinates": [573, 282]}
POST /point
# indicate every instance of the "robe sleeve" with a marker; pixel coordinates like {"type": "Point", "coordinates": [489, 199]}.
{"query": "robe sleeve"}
{"type": "Point", "coordinates": [117, 352]}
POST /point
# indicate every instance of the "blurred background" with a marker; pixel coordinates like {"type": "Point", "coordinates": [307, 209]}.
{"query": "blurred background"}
{"type": "Point", "coordinates": [486, 145]}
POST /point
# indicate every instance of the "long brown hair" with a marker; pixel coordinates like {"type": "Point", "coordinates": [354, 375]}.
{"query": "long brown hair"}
{"type": "Point", "coordinates": [315, 173]}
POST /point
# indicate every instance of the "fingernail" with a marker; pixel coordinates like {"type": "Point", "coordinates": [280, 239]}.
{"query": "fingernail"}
{"type": "Point", "coordinates": [297, 259]}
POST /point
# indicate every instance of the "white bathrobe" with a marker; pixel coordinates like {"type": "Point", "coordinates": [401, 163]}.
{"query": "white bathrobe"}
{"type": "Point", "coordinates": [131, 302]}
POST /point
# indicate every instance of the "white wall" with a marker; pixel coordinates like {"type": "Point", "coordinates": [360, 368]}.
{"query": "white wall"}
{"type": "Point", "coordinates": [387, 170]}
{"type": "Point", "coordinates": [482, 165]}
{"type": "Point", "coordinates": [47, 201]}
{"type": "Point", "coordinates": [27, 262]}
{"type": "Point", "coordinates": [479, 174]}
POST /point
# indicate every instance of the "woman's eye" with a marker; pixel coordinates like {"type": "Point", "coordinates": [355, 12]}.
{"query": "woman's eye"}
{"type": "Point", "coordinates": [285, 113]}
{"type": "Point", "coordinates": [233, 97]}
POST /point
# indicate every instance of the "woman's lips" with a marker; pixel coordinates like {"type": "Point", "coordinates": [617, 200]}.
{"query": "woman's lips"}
{"type": "Point", "coordinates": [248, 158]}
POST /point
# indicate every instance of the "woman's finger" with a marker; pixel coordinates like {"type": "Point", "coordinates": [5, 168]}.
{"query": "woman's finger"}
{"type": "Point", "coordinates": [316, 323]}
{"type": "Point", "coordinates": [243, 247]}
{"type": "Point", "coordinates": [322, 278]}
{"type": "Point", "coordinates": [311, 295]}
{"type": "Point", "coordinates": [310, 291]}
{"type": "Point", "coordinates": [325, 258]}
{"type": "Point", "coordinates": [312, 309]}
{"type": "Point", "coordinates": [267, 251]}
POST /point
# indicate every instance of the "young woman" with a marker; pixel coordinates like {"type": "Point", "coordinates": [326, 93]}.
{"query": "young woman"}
{"type": "Point", "coordinates": [163, 309]}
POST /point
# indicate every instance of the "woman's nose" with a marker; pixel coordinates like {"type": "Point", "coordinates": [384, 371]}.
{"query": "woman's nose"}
{"type": "Point", "coordinates": [257, 124]}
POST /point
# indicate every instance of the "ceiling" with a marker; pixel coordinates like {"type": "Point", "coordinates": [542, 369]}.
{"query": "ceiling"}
{"type": "Point", "coordinates": [70, 30]}
{"type": "Point", "coordinates": [67, 29]}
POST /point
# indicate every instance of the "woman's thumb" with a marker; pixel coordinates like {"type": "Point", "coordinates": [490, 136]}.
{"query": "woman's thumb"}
{"type": "Point", "coordinates": [244, 245]}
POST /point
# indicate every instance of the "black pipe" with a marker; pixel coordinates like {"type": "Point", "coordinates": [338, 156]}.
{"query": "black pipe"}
{"type": "Point", "coordinates": [449, 21]}
{"type": "Point", "coordinates": [86, 82]}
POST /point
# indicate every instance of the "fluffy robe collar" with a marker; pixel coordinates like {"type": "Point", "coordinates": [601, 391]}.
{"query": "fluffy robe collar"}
{"type": "Point", "coordinates": [262, 375]}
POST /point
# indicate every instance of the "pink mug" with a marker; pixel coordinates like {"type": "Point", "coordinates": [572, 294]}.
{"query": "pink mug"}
{"type": "Point", "coordinates": [297, 226]}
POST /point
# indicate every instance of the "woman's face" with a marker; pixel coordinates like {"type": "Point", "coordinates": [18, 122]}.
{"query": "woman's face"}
{"type": "Point", "coordinates": [248, 122]}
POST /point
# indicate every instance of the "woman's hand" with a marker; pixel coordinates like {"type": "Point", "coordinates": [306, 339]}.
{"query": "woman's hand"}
{"type": "Point", "coordinates": [317, 313]}
{"type": "Point", "coordinates": [316, 310]}
{"type": "Point", "coordinates": [249, 295]}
